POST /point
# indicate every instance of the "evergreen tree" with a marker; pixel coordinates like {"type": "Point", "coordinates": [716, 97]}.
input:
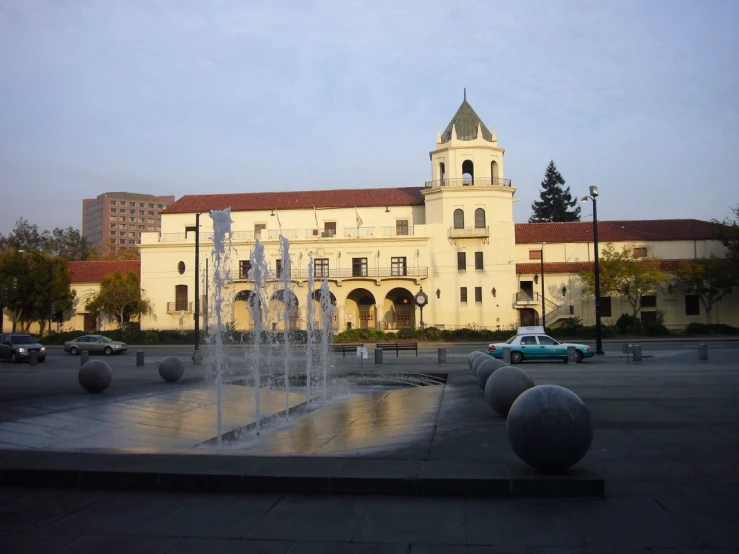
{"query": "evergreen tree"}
{"type": "Point", "coordinates": [556, 202]}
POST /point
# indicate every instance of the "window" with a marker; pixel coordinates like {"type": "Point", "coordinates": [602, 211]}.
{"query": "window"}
{"type": "Point", "coordinates": [640, 252]}
{"type": "Point", "coordinates": [160, 206]}
{"type": "Point", "coordinates": [131, 212]}
{"type": "Point", "coordinates": [649, 317]}
{"type": "Point", "coordinates": [479, 218]}
{"type": "Point", "coordinates": [359, 267]}
{"type": "Point", "coordinates": [278, 269]}
{"type": "Point", "coordinates": [547, 341]}
{"type": "Point", "coordinates": [329, 229]}
{"type": "Point", "coordinates": [113, 225]}
{"type": "Point", "coordinates": [398, 266]}
{"type": "Point", "coordinates": [132, 204]}
{"type": "Point", "coordinates": [244, 269]}
{"type": "Point", "coordinates": [692, 306]}
{"type": "Point", "coordinates": [180, 297]}
{"type": "Point", "coordinates": [320, 268]}
{"type": "Point", "coordinates": [459, 218]}
{"type": "Point", "coordinates": [142, 226]}
{"type": "Point", "coordinates": [151, 212]}
{"type": "Point", "coordinates": [151, 205]}
{"type": "Point", "coordinates": [478, 294]}
{"type": "Point", "coordinates": [648, 301]}
{"type": "Point", "coordinates": [534, 254]}
{"type": "Point", "coordinates": [113, 210]}
{"type": "Point", "coordinates": [113, 202]}
{"type": "Point", "coordinates": [527, 341]}
{"type": "Point", "coordinates": [113, 233]}
{"type": "Point", "coordinates": [258, 228]}
{"type": "Point", "coordinates": [478, 260]}
{"type": "Point", "coordinates": [142, 204]}
{"type": "Point", "coordinates": [142, 212]}
{"type": "Point", "coordinates": [401, 227]}
{"type": "Point", "coordinates": [605, 306]}
{"type": "Point", "coordinates": [462, 261]}
{"type": "Point", "coordinates": [132, 219]}
{"type": "Point", "coordinates": [122, 241]}
{"type": "Point", "coordinates": [181, 268]}
{"type": "Point", "coordinates": [463, 294]}
{"type": "Point", "coordinates": [131, 242]}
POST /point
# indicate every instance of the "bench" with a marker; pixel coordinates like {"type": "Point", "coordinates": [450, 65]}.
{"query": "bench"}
{"type": "Point", "coordinates": [346, 347]}
{"type": "Point", "coordinates": [398, 346]}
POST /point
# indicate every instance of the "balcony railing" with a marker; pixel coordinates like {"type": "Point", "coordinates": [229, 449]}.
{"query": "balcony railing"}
{"type": "Point", "coordinates": [476, 182]}
{"type": "Point", "coordinates": [359, 232]}
{"type": "Point", "coordinates": [526, 297]}
{"type": "Point", "coordinates": [310, 233]}
{"type": "Point", "coordinates": [398, 231]}
{"type": "Point", "coordinates": [469, 232]}
{"type": "Point", "coordinates": [177, 307]}
{"type": "Point", "coordinates": [349, 273]}
{"type": "Point", "coordinates": [174, 237]}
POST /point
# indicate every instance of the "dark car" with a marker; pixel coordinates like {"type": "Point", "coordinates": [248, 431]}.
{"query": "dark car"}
{"type": "Point", "coordinates": [17, 347]}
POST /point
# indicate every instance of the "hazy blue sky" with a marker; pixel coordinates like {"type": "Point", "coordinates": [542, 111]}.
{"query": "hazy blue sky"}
{"type": "Point", "coordinates": [640, 98]}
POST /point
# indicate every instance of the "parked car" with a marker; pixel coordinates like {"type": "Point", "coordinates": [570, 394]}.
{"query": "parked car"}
{"type": "Point", "coordinates": [538, 346]}
{"type": "Point", "coordinates": [95, 343]}
{"type": "Point", "coordinates": [17, 347]}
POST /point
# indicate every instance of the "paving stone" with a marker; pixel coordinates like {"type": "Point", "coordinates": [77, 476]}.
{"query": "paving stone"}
{"type": "Point", "coordinates": [346, 548]}
{"type": "Point", "coordinates": [519, 523]}
{"type": "Point", "coordinates": [433, 521]}
{"type": "Point", "coordinates": [42, 507]}
{"type": "Point", "coordinates": [445, 549]}
{"type": "Point", "coordinates": [204, 515]}
{"type": "Point", "coordinates": [230, 546]}
{"type": "Point", "coordinates": [119, 544]}
{"type": "Point", "coordinates": [323, 519]}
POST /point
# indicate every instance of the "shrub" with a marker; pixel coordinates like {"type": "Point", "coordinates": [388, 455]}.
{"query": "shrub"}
{"type": "Point", "coordinates": [627, 324]}
{"type": "Point", "coordinates": [703, 329]}
{"type": "Point", "coordinates": [406, 333]}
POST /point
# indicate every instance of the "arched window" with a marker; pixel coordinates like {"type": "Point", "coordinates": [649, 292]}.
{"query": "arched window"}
{"type": "Point", "coordinates": [479, 218]}
{"type": "Point", "coordinates": [494, 172]}
{"type": "Point", "coordinates": [442, 172]}
{"type": "Point", "coordinates": [459, 218]}
{"type": "Point", "coordinates": [180, 298]}
{"type": "Point", "coordinates": [468, 172]}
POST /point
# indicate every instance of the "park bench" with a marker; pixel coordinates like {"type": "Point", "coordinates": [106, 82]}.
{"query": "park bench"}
{"type": "Point", "coordinates": [398, 346]}
{"type": "Point", "coordinates": [350, 347]}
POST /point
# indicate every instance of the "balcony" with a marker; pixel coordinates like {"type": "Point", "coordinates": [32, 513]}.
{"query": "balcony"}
{"type": "Point", "coordinates": [469, 232]}
{"type": "Point", "coordinates": [294, 234]}
{"type": "Point", "coordinates": [177, 307]}
{"type": "Point", "coordinates": [478, 182]}
{"type": "Point", "coordinates": [342, 274]}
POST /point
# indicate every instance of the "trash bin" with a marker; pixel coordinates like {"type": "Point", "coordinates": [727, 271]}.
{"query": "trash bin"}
{"type": "Point", "coordinates": [139, 358]}
{"type": "Point", "coordinates": [378, 356]}
{"type": "Point", "coordinates": [442, 355]}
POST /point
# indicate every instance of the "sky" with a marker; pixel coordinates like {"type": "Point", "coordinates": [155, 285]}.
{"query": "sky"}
{"type": "Point", "coordinates": [640, 98]}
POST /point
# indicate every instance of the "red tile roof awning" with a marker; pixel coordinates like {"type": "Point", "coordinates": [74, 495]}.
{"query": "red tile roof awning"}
{"type": "Point", "coordinates": [576, 267]}
{"type": "Point", "coordinates": [298, 200]}
{"type": "Point", "coordinates": [617, 231]}
{"type": "Point", "coordinates": [93, 272]}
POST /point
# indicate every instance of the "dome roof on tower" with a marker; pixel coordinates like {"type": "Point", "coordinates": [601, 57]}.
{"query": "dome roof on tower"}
{"type": "Point", "coordinates": [466, 122]}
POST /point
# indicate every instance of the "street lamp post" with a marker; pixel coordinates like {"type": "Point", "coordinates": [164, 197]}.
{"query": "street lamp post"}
{"type": "Point", "coordinates": [598, 338]}
{"type": "Point", "coordinates": [51, 282]}
{"type": "Point", "coordinates": [197, 356]}
{"type": "Point", "coordinates": [543, 307]}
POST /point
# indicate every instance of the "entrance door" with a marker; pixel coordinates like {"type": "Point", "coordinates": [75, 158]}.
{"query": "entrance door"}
{"type": "Point", "coordinates": [527, 291]}
{"type": "Point", "coordinates": [90, 323]}
{"type": "Point", "coordinates": [366, 317]}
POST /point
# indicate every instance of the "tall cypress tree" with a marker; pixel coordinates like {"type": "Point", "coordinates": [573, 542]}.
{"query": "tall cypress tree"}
{"type": "Point", "coordinates": [556, 202]}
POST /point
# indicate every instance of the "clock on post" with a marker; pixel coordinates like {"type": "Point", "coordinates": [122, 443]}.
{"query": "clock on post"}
{"type": "Point", "coordinates": [421, 300]}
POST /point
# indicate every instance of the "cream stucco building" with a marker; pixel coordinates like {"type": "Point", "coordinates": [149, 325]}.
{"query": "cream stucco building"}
{"type": "Point", "coordinates": [454, 238]}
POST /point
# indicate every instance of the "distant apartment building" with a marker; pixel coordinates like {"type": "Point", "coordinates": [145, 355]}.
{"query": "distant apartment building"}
{"type": "Point", "coordinates": [115, 220]}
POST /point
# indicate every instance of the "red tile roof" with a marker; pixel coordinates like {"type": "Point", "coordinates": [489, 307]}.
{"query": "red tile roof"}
{"type": "Point", "coordinates": [576, 267]}
{"type": "Point", "coordinates": [93, 272]}
{"type": "Point", "coordinates": [341, 198]}
{"type": "Point", "coordinates": [616, 231]}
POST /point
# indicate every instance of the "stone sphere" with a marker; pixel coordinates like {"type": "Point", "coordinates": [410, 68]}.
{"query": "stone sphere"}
{"type": "Point", "coordinates": [95, 376]}
{"type": "Point", "coordinates": [486, 369]}
{"type": "Point", "coordinates": [472, 356]}
{"type": "Point", "coordinates": [171, 369]}
{"type": "Point", "coordinates": [549, 428]}
{"type": "Point", "coordinates": [504, 386]}
{"type": "Point", "coordinates": [477, 361]}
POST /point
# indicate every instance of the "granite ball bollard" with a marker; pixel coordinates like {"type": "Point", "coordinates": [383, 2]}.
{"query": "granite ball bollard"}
{"type": "Point", "coordinates": [549, 428]}
{"type": "Point", "coordinates": [472, 356]}
{"type": "Point", "coordinates": [486, 369]}
{"type": "Point", "coordinates": [171, 369]}
{"type": "Point", "coordinates": [95, 376]}
{"type": "Point", "coordinates": [504, 386]}
{"type": "Point", "coordinates": [477, 361]}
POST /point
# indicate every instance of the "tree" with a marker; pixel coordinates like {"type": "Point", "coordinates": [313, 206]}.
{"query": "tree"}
{"type": "Point", "coordinates": [710, 279]}
{"type": "Point", "coordinates": [556, 202]}
{"type": "Point", "coordinates": [66, 243]}
{"type": "Point", "coordinates": [623, 274]}
{"type": "Point", "coordinates": [25, 278]}
{"type": "Point", "coordinates": [728, 234]}
{"type": "Point", "coordinates": [120, 295]}
{"type": "Point", "coordinates": [118, 255]}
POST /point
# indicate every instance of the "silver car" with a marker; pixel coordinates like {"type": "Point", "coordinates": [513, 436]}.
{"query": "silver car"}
{"type": "Point", "coordinates": [95, 343]}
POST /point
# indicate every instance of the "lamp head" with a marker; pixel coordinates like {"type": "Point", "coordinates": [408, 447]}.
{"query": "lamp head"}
{"type": "Point", "coordinates": [593, 191]}
{"type": "Point", "coordinates": [585, 199]}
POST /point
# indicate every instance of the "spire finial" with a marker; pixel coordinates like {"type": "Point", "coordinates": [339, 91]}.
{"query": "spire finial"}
{"type": "Point", "coordinates": [465, 94]}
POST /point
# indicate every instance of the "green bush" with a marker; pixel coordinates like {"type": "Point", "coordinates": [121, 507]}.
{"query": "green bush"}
{"type": "Point", "coordinates": [151, 337]}
{"type": "Point", "coordinates": [713, 329]}
{"type": "Point", "coordinates": [627, 324]}
{"type": "Point", "coordinates": [406, 333]}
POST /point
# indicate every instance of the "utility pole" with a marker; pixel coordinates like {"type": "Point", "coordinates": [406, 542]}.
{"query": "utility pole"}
{"type": "Point", "coordinates": [543, 306]}
{"type": "Point", "coordinates": [197, 356]}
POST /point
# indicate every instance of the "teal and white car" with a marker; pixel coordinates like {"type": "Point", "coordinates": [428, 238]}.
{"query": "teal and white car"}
{"type": "Point", "coordinates": [535, 346]}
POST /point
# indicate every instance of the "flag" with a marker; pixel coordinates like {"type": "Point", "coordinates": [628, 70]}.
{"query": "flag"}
{"type": "Point", "coordinates": [359, 219]}
{"type": "Point", "coordinates": [279, 223]}
{"type": "Point", "coordinates": [315, 214]}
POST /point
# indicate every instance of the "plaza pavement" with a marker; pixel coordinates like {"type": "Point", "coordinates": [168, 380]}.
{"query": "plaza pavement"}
{"type": "Point", "coordinates": [666, 445]}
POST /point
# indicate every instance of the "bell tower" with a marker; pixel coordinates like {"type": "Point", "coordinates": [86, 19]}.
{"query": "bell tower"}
{"type": "Point", "coordinates": [467, 153]}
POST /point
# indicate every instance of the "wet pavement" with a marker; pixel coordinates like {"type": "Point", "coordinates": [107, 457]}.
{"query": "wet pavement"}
{"type": "Point", "coordinates": [666, 444]}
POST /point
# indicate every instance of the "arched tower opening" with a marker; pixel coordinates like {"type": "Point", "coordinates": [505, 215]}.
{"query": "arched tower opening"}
{"type": "Point", "coordinates": [468, 172]}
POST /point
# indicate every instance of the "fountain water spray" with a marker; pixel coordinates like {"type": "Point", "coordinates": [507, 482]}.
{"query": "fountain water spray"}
{"type": "Point", "coordinates": [260, 312]}
{"type": "Point", "coordinates": [221, 276]}
{"type": "Point", "coordinates": [327, 320]}
{"type": "Point", "coordinates": [287, 300]}
{"type": "Point", "coordinates": [309, 329]}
